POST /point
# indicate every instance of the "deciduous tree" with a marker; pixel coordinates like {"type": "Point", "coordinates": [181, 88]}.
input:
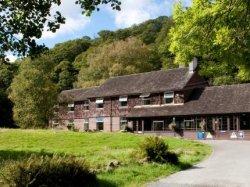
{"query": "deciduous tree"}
{"type": "Point", "coordinates": [218, 32]}
{"type": "Point", "coordinates": [24, 21]}
{"type": "Point", "coordinates": [33, 93]}
{"type": "Point", "coordinates": [117, 58]}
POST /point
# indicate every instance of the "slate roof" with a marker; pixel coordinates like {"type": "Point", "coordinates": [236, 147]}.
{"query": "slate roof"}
{"type": "Point", "coordinates": [150, 82]}
{"type": "Point", "coordinates": [76, 94]}
{"type": "Point", "coordinates": [210, 100]}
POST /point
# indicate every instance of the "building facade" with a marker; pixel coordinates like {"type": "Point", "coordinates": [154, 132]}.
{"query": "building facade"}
{"type": "Point", "coordinates": [150, 102]}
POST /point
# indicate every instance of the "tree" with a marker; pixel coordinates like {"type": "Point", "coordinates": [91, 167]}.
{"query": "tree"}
{"type": "Point", "coordinates": [7, 72]}
{"type": "Point", "coordinates": [64, 75]}
{"type": "Point", "coordinates": [117, 58]}
{"type": "Point", "coordinates": [218, 33]}
{"type": "Point", "coordinates": [34, 93]}
{"type": "Point", "coordinates": [24, 21]}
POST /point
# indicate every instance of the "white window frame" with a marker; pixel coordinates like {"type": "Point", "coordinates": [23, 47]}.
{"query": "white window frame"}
{"type": "Point", "coordinates": [99, 101]}
{"type": "Point", "coordinates": [71, 107]}
{"type": "Point", "coordinates": [123, 99]}
{"type": "Point", "coordinates": [145, 97]}
{"type": "Point", "coordinates": [168, 95]}
{"type": "Point", "coordinates": [55, 123]}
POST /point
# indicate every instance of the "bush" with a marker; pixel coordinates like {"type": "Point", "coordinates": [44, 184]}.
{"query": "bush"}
{"type": "Point", "coordinates": [155, 149]}
{"type": "Point", "coordinates": [55, 171]}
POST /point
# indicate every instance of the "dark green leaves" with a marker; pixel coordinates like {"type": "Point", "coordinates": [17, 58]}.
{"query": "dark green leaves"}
{"type": "Point", "coordinates": [21, 22]}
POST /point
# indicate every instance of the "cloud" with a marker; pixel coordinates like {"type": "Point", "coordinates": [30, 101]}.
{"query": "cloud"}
{"type": "Point", "coordinates": [134, 12]}
{"type": "Point", "coordinates": [75, 21]}
{"type": "Point", "coordinates": [11, 57]}
{"type": "Point", "coordinates": [137, 11]}
{"type": "Point", "coordinates": [72, 25]}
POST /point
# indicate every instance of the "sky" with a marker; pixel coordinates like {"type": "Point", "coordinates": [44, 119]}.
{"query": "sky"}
{"type": "Point", "coordinates": [77, 25]}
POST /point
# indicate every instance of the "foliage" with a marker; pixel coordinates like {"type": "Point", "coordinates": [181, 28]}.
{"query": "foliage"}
{"type": "Point", "coordinates": [69, 50]}
{"type": "Point", "coordinates": [24, 21]}
{"type": "Point", "coordinates": [34, 90]}
{"type": "Point", "coordinates": [98, 149]}
{"type": "Point", "coordinates": [6, 105]}
{"type": "Point", "coordinates": [156, 150]}
{"type": "Point", "coordinates": [33, 93]}
{"type": "Point", "coordinates": [218, 33]}
{"type": "Point", "coordinates": [64, 75]}
{"type": "Point", "coordinates": [49, 171]}
{"type": "Point", "coordinates": [117, 58]}
{"type": "Point", "coordinates": [7, 72]}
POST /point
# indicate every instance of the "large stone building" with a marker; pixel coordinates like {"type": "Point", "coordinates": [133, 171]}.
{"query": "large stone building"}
{"type": "Point", "coordinates": [149, 102]}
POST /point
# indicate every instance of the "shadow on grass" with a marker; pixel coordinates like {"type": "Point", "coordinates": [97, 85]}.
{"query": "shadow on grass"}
{"type": "Point", "coordinates": [13, 155]}
{"type": "Point", "coordinates": [184, 166]}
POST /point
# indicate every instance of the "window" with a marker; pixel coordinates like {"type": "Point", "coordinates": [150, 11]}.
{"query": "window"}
{"type": "Point", "coordinates": [158, 125]}
{"type": "Point", "coordinates": [70, 124]}
{"type": "Point", "coordinates": [222, 122]}
{"type": "Point", "coordinates": [145, 99]}
{"type": "Point", "coordinates": [123, 101]}
{"type": "Point", "coordinates": [189, 124]}
{"type": "Point", "coordinates": [99, 103]}
{"type": "Point", "coordinates": [71, 107]}
{"type": "Point", "coordinates": [55, 122]}
{"type": "Point", "coordinates": [168, 97]}
{"type": "Point", "coordinates": [86, 124]}
{"type": "Point", "coordinates": [99, 123]}
{"type": "Point", "coordinates": [123, 123]}
{"type": "Point", "coordinates": [86, 105]}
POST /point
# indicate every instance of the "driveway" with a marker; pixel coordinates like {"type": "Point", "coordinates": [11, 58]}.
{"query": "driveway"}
{"type": "Point", "coordinates": [228, 166]}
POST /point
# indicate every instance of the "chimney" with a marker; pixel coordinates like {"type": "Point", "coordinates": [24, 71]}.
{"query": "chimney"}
{"type": "Point", "coordinates": [193, 65]}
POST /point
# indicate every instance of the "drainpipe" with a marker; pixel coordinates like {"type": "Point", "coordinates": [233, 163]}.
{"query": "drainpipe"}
{"type": "Point", "coordinates": [111, 120]}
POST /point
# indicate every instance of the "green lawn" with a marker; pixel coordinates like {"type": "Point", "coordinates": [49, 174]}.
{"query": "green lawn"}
{"type": "Point", "coordinates": [99, 149]}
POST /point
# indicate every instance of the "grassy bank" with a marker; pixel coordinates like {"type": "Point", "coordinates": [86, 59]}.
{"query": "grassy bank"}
{"type": "Point", "coordinates": [99, 149]}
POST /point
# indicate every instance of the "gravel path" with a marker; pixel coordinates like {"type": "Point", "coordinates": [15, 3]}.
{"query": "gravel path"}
{"type": "Point", "coordinates": [228, 166]}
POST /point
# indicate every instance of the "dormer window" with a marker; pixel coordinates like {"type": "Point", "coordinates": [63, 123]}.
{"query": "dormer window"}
{"type": "Point", "coordinates": [123, 101]}
{"type": "Point", "coordinates": [145, 99]}
{"type": "Point", "coordinates": [168, 97]}
{"type": "Point", "coordinates": [99, 103]}
{"type": "Point", "coordinates": [71, 107]}
{"type": "Point", "coordinates": [86, 105]}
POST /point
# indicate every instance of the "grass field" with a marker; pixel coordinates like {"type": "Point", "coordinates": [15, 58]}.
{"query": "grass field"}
{"type": "Point", "coordinates": [99, 149]}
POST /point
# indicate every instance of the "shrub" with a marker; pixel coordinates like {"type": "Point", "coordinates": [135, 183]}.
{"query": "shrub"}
{"type": "Point", "coordinates": [55, 171]}
{"type": "Point", "coordinates": [155, 149]}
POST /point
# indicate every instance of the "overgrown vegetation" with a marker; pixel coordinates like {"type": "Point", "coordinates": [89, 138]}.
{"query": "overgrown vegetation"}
{"type": "Point", "coordinates": [155, 149]}
{"type": "Point", "coordinates": [99, 150]}
{"type": "Point", "coordinates": [56, 171]}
